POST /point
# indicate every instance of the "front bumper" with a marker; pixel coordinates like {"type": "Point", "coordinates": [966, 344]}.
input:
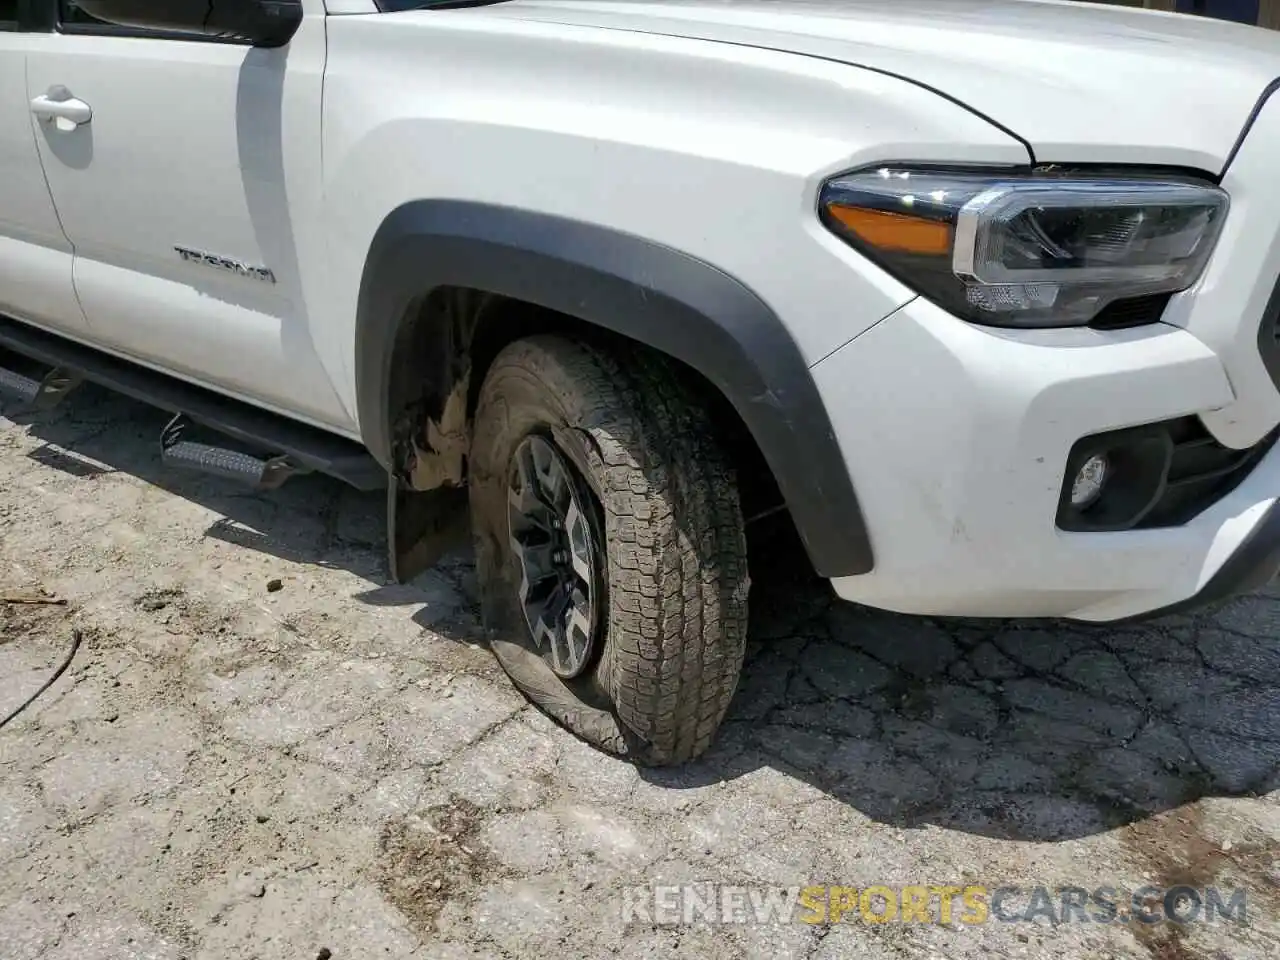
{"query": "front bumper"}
{"type": "Point", "coordinates": [957, 439]}
{"type": "Point", "coordinates": [1252, 566]}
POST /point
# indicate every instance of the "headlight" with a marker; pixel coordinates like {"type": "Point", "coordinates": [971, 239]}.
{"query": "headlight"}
{"type": "Point", "coordinates": [1024, 250]}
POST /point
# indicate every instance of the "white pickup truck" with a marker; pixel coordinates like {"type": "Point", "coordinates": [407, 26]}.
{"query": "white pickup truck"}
{"type": "Point", "coordinates": [981, 295]}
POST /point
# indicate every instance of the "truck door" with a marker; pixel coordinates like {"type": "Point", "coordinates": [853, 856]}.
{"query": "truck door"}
{"type": "Point", "coordinates": [186, 172]}
{"type": "Point", "coordinates": [35, 255]}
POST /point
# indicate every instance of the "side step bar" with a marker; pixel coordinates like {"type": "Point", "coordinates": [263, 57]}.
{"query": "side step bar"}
{"type": "Point", "coordinates": [14, 384]}
{"type": "Point", "coordinates": [43, 394]}
{"type": "Point", "coordinates": [261, 474]}
{"type": "Point", "coordinates": [297, 446]}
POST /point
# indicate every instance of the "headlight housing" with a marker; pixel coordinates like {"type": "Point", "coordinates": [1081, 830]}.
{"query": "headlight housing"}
{"type": "Point", "coordinates": [1025, 249]}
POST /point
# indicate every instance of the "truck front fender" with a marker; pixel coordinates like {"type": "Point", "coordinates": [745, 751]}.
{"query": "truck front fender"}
{"type": "Point", "coordinates": [650, 293]}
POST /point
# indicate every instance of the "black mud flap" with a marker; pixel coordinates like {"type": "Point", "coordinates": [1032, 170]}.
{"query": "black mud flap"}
{"type": "Point", "coordinates": [423, 527]}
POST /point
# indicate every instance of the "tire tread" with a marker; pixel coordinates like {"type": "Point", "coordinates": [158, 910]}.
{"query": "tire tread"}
{"type": "Point", "coordinates": [676, 544]}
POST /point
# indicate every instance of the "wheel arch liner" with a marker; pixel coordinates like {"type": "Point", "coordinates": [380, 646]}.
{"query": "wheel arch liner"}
{"type": "Point", "coordinates": [675, 303]}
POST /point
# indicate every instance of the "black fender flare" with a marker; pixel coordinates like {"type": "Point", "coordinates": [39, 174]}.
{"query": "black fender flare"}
{"type": "Point", "coordinates": [648, 292]}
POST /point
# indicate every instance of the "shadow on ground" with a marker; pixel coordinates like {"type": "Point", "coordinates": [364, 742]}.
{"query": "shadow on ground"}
{"type": "Point", "coordinates": [312, 520]}
{"type": "Point", "coordinates": [1008, 729]}
{"type": "Point", "coordinates": [1027, 730]}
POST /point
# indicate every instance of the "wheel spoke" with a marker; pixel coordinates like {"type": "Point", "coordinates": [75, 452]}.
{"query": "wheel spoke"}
{"type": "Point", "coordinates": [561, 655]}
{"type": "Point", "coordinates": [551, 615]}
{"type": "Point", "coordinates": [577, 632]}
{"type": "Point", "coordinates": [538, 560]}
{"type": "Point", "coordinates": [526, 506]}
{"type": "Point", "coordinates": [575, 525]}
{"type": "Point", "coordinates": [536, 569]}
{"type": "Point", "coordinates": [553, 484]}
{"type": "Point", "coordinates": [551, 537]}
{"type": "Point", "coordinates": [529, 513]}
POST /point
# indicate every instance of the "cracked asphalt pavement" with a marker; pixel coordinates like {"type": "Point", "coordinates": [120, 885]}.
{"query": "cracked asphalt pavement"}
{"type": "Point", "coordinates": [334, 767]}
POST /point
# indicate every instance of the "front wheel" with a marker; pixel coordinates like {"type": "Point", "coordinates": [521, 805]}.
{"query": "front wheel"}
{"type": "Point", "coordinates": [610, 549]}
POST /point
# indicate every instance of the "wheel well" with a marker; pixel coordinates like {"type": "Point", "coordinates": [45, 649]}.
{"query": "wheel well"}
{"type": "Point", "coordinates": [446, 345]}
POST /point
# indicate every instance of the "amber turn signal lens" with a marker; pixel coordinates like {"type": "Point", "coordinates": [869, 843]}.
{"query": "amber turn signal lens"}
{"type": "Point", "coordinates": [894, 231]}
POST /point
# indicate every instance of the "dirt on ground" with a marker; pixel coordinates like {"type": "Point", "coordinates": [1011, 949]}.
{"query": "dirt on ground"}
{"type": "Point", "coordinates": [264, 749]}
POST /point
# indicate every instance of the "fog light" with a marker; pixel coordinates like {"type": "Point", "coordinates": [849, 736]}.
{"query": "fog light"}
{"type": "Point", "coordinates": [1089, 481]}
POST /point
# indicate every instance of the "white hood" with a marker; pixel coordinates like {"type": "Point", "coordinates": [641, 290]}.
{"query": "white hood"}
{"type": "Point", "coordinates": [1078, 82]}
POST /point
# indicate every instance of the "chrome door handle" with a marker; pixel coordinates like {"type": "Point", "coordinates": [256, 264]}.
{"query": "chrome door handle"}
{"type": "Point", "coordinates": [59, 104]}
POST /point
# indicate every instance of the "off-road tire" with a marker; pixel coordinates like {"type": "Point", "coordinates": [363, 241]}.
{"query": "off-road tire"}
{"type": "Point", "coordinates": [673, 627]}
